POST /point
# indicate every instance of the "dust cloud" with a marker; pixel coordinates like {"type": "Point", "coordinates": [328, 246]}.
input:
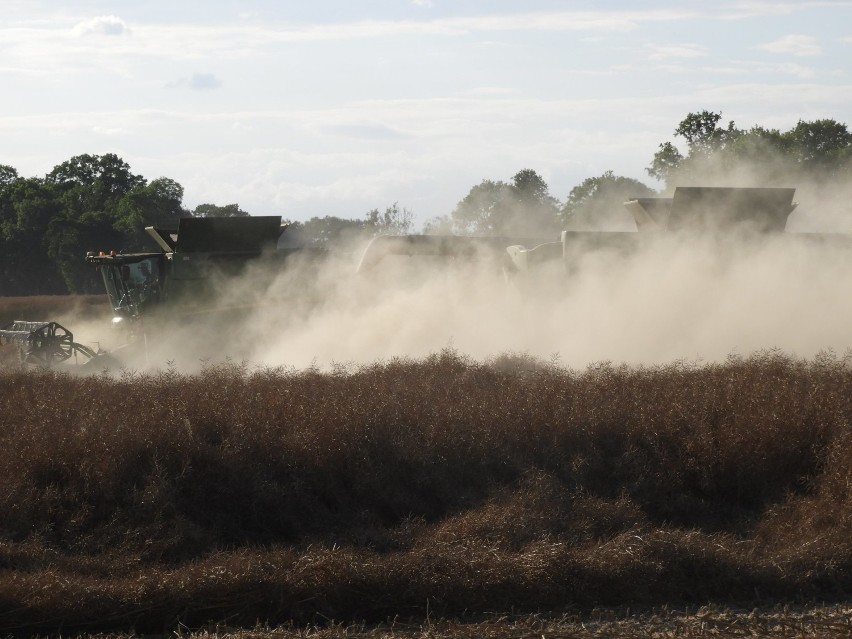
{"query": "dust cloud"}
{"type": "Point", "coordinates": [668, 298]}
{"type": "Point", "coordinates": [665, 302]}
{"type": "Point", "coordinates": [636, 298]}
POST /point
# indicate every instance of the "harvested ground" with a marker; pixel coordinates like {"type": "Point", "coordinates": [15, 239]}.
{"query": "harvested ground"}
{"type": "Point", "coordinates": [707, 621]}
{"type": "Point", "coordinates": [376, 500]}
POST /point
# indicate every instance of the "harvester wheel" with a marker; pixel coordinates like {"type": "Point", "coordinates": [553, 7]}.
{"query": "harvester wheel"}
{"type": "Point", "coordinates": [44, 343]}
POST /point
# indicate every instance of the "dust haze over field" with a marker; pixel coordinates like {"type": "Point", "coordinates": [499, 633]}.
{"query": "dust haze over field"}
{"type": "Point", "coordinates": [668, 302]}
{"type": "Point", "coordinates": [676, 298]}
{"type": "Point", "coordinates": [694, 297]}
{"type": "Point", "coordinates": [668, 296]}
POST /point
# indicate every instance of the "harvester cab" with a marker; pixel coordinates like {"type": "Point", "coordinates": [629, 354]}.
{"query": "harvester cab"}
{"type": "Point", "coordinates": [134, 283]}
{"type": "Point", "coordinates": [183, 275]}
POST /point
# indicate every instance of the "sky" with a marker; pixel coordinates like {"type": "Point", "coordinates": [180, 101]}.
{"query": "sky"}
{"type": "Point", "coordinates": [335, 107]}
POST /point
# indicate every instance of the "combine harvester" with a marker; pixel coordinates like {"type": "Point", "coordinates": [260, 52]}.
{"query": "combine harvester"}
{"type": "Point", "coordinates": [194, 258]}
{"type": "Point", "coordinates": [730, 217]}
{"type": "Point", "coordinates": [209, 273]}
{"type": "Point", "coordinates": [180, 283]}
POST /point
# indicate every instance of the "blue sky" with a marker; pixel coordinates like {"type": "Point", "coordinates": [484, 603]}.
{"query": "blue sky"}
{"type": "Point", "coordinates": [335, 107]}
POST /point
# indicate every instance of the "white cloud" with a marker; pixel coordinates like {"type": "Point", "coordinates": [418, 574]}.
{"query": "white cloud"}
{"type": "Point", "coordinates": [42, 44]}
{"type": "Point", "coordinates": [484, 92]}
{"type": "Point", "coordinates": [376, 132]}
{"type": "Point", "coordinates": [738, 68]}
{"type": "Point", "coordinates": [102, 25]}
{"type": "Point", "coordinates": [761, 8]}
{"type": "Point", "coordinates": [797, 70]}
{"type": "Point", "coordinates": [201, 39]}
{"type": "Point", "coordinates": [797, 45]}
{"type": "Point", "coordinates": [197, 82]}
{"type": "Point", "coordinates": [676, 51]}
{"type": "Point", "coordinates": [102, 130]}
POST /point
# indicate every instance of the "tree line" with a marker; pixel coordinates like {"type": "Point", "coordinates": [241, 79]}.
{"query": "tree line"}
{"type": "Point", "coordinates": [818, 152]}
{"type": "Point", "coordinates": [96, 201]}
{"type": "Point", "coordinates": [47, 224]}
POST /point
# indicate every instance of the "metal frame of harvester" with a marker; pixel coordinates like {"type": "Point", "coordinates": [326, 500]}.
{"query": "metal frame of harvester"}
{"type": "Point", "coordinates": [44, 343]}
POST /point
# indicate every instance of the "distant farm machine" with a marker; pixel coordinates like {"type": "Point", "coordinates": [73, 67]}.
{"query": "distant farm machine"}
{"type": "Point", "coordinates": [186, 277]}
{"type": "Point", "coordinates": [721, 214]}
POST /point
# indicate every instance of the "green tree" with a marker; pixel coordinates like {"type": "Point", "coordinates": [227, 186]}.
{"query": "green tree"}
{"type": "Point", "coordinates": [392, 221]}
{"type": "Point", "coordinates": [33, 202]}
{"type": "Point", "coordinates": [8, 174]}
{"type": "Point", "coordinates": [523, 207]}
{"type": "Point", "coordinates": [530, 187]}
{"type": "Point", "coordinates": [89, 183]}
{"type": "Point", "coordinates": [26, 207]}
{"type": "Point", "coordinates": [536, 211]}
{"type": "Point", "coordinates": [212, 210]}
{"type": "Point", "coordinates": [821, 145]}
{"type": "Point", "coordinates": [819, 150]}
{"type": "Point", "coordinates": [703, 134]}
{"type": "Point", "coordinates": [331, 229]}
{"type": "Point", "coordinates": [704, 138]}
{"type": "Point", "coordinates": [87, 192]}
{"type": "Point", "coordinates": [90, 202]}
{"type": "Point", "coordinates": [324, 231]}
{"type": "Point", "coordinates": [64, 238]}
{"type": "Point", "coordinates": [665, 162]}
{"type": "Point", "coordinates": [484, 210]}
{"type": "Point", "coordinates": [156, 204]}
{"type": "Point", "coordinates": [598, 203]}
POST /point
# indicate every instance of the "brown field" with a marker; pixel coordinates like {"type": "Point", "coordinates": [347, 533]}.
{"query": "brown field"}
{"type": "Point", "coordinates": [441, 489]}
{"type": "Point", "coordinates": [54, 308]}
{"type": "Point", "coordinates": [781, 621]}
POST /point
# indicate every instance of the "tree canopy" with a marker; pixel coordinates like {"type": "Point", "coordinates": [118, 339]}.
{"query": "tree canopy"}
{"type": "Point", "coordinates": [819, 150]}
{"type": "Point", "coordinates": [89, 202]}
{"type": "Point", "coordinates": [522, 207]}
{"type": "Point", "coordinates": [330, 229]}
{"type": "Point", "coordinates": [598, 203]}
{"type": "Point", "coordinates": [211, 210]}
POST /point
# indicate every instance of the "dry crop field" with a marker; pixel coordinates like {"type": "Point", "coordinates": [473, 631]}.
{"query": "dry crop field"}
{"type": "Point", "coordinates": [430, 498]}
{"type": "Point", "coordinates": [56, 308]}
